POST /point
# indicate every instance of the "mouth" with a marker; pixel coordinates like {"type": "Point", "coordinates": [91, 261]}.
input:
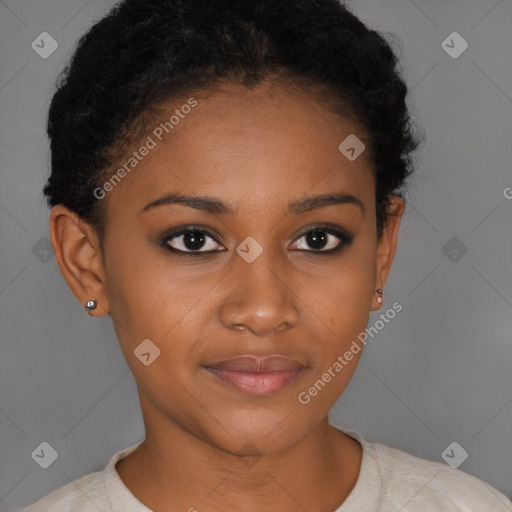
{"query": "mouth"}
{"type": "Point", "coordinates": [257, 376]}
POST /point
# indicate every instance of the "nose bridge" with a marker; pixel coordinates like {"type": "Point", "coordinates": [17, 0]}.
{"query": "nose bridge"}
{"type": "Point", "coordinates": [259, 297]}
{"type": "Point", "coordinates": [263, 278]}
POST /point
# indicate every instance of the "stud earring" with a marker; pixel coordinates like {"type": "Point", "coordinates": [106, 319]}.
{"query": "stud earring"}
{"type": "Point", "coordinates": [380, 291]}
{"type": "Point", "coordinates": [90, 305]}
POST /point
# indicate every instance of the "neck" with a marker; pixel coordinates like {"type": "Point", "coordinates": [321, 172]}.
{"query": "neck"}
{"type": "Point", "coordinates": [176, 469]}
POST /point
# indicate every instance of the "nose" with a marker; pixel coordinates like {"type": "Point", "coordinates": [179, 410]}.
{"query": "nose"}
{"type": "Point", "coordinates": [260, 296]}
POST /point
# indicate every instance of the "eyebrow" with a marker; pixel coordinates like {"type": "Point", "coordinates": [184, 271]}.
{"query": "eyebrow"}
{"type": "Point", "coordinates": [216, 206]}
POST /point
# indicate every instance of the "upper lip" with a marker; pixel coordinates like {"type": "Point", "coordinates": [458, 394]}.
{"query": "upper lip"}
{"type": "Point", "coordinates": [257, 364]}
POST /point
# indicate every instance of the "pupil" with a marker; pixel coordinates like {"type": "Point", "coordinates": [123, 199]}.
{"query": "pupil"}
{"type": "Point", "coordinates": [315, 238]}
{"type": "Point", "coordinates": [193, 240]}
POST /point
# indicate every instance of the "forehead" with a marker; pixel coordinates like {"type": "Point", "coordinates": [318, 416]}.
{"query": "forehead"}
{"type": "Point", "coordinates": [248, 147]}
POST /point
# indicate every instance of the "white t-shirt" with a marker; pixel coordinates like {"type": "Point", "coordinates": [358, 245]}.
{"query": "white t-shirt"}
{"type": "Point", "coordinates": [390, 480]}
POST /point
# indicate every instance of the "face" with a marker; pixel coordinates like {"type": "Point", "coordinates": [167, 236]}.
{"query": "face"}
{"type": "Point", "coordinates": [260, 269]}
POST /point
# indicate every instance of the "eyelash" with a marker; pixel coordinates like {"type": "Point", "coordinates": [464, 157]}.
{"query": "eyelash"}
{"type": "Point", "coordinates": [330, 229]}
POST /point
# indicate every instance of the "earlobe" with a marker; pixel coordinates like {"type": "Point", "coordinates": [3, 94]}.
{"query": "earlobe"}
{"type": "Point", "coordinates": [77, 250]}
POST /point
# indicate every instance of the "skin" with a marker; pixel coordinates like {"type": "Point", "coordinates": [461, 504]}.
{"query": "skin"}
{"type": "Point", "coordinates": [209, 447]}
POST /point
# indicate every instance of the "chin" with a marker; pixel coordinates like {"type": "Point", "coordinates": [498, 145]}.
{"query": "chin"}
{"type": "Point", "coordinates": [261, 432]}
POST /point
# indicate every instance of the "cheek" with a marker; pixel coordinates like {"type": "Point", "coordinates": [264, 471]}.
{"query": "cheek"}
{"type": "Point", "coordinates": [344, 311]}
{"type": "Point", "coordinates": [153, 297]}
{"type": "Point", "coordinates": [149, 293]}
{"type": "Point", "coordinates": [342, 297]}
{"type": "Point", "coordinates": [342, 302]}
{"type": "Point", "coordinates": [151, 300]}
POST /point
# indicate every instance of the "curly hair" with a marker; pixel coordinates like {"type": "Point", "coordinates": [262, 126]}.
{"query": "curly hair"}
{"type": "Point", "coordinates": [143, 54]}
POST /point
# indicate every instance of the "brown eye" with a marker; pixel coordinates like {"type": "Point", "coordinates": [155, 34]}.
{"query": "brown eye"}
{"type": "Point", "coordinates": [191, 241]}
{"type": "Point", "coordinates": [322, 240]}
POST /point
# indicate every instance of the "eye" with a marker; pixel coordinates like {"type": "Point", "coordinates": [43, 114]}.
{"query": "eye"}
{"type": "Point", "coordinates": [191, 240]}
{"type": "Point", "coordinates": [323, 239]}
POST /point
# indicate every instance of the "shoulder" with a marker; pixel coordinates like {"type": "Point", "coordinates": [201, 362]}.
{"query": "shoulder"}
{"type": "Point", "coordinates": [422, 485]}
{"type": "Point", "coordinates": [92, 492]}
{"type": "Point", "coordinates": [391, 480]}
{"type": "Point", "coordinates": [85, 494]}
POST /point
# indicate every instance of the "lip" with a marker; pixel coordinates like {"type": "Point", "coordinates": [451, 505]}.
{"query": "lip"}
{"type": "Point", "coordinates": [256, 375]}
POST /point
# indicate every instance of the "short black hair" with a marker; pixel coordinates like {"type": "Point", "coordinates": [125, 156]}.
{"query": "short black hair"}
{"type": "Point", "coordinates": [145, 53]}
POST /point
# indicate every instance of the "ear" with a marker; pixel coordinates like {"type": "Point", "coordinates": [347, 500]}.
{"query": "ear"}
{"type": "Point", "coordinates": [387, 245]}
{"type": "Point", "coordinates": [78, 253]}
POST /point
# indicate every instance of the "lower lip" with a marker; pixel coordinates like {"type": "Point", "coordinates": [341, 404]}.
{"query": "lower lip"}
{"type": "Point", "coordinates": [257, 384]}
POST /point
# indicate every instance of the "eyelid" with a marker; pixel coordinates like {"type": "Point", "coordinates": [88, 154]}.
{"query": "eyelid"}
{"type": "Point", "coordinates": [176, 232]}
{"type": "Point", "coordinates": [170, 233]}
{"type": "Point", "coordinates": [327, 227]}
{"type": "Point", "coordinates": [342, 234]}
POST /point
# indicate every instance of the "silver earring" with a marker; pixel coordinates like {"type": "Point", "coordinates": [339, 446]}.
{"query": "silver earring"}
{"type": "Point", "coordinates": [91, 304]}
{"type": "Point", "coordinates": [380, 291]}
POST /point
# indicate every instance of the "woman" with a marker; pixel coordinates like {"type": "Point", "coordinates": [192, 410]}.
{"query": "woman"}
{"type": "Point", "coordinates": [226, 184]}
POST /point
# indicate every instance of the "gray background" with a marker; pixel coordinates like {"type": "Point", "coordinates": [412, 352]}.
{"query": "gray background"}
{"type": "Point", "coordinates": [439, 372]}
